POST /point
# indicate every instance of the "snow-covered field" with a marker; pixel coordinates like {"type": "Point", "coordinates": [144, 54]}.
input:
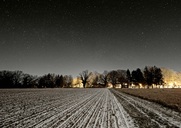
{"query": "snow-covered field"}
{"type": "Point", "coordinates": [86, 108]}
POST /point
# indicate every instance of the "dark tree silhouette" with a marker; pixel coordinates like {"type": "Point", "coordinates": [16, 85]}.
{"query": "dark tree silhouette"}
{"type": "Point", "coordinates": [41, 82]}
{"type": "Point", "coordinates": [137, 77]}
{"type": "Point", "coordinates": [6, 79]}
{"type": "Point", "coordinates": [153, 75]}
{"type": "Point", "coordinates": [16, 79]}
{"type": "Point", "coordinates": [121, 77]}
{"type": "Point", "coordinates": [158, 77]}
{"type": "Point", "coordinates": [128, 77]}
{"type": "Point", "coordinates": [50, 81]}
{"type": "Point", "coordinates": [141, 78]}
{"type": "Point", "coordinates": [68, 81]}
{"type": "Point", "coordinates": [95, 80]}
{"type": "Point", "coordinates": [59, 81]}
{"type": "Point", "coordinates": [113, 77]}
{"type": "Point", "coordinates": [18, 76]}
{"type": "Point", "coordinates": [29, 81]}
{"type": "Point", "coordinates": [104, 78]}
{"type": "Point", "coordinates": [47, 81]}
{"type": "Point", "coordinates": [148, 76]}
{"type": "Point", "coordinates": [84, 76]}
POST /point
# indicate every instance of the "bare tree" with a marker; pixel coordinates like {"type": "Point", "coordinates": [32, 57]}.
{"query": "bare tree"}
{"type": "Point", "coordinates": [128, 77]}
{"type": "Point", "coordinates": [18, 75]}
{"type": "Point", "coordinates": [7, 79]}
{"type": "Point", "coordinates": [95, 79]}
{"type": "Point", "coordinates": [153, 75]}
{"type": "Point", "coordinates": [59, 81]}
{"type": "Point", "coordinates": [137, 77]}
{"type": "Point", "coordinates": [84, 76]}
{"type": "Point", "coordinates": [121, 78]}
{"type": "Point", "coordinates": [158, 77]}
{"type": "Point", "coordinates": [28, 81]}
{"type": "Point", "coordinates": [104, 78]}
{"type": "Point", "coordinates": [113, 75]}
{"type": "Point", "coordinates": [68, 81]}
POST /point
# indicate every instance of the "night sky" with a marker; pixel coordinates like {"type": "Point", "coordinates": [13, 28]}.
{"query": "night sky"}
{"type": "Point", "coordinates": [69, 36]}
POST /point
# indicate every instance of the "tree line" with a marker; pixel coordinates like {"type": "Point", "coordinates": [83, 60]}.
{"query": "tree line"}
{"type": "Point", "coordinates": [18, 79]}
{"type": "Point", "coordinates": [147, 77]}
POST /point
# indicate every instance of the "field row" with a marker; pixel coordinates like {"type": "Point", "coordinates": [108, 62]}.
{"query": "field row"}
{"type": "Point", "coordinates": [148, 114]}
{"type": "Point", "coordinates": [62, 108]}
{"type": "Point", "coordinates": [167, 97]}
{"type": "Point", "coordinates": [81, 108]}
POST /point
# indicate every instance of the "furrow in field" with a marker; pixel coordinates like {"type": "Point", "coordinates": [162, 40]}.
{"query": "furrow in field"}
{"type": "Point", "coordinates": [121, 117]}
{"type": "Point", "coordinates": [47, 110]}
{"type": "Point", "coordinates": [103, 120]}
{"type": "Point", "coordinates": [62, 116]}
{"type": "Point", "coordinates": [82, 108]}
{"type": "Point", "coordinates": [147, 113]}
{"type": "Point", "coordinates": [54, 111]}
{"type": "Point", "coordinates": [34, 111]}
{"type": "Point", "coordinates": [91, 119]}
{"type": "Point", "coordinates": [81, 113]}
{"type": "Point", "coordinates": [39, 113]}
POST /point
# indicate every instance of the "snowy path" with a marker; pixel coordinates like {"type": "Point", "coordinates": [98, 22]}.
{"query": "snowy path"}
{"type": "Point", "coordinates": [81, 108]}
{"type": "Point", "coordinates": [148, 114]}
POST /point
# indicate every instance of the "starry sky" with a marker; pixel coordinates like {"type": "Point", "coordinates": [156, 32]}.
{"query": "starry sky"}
{"type": "Point", "coordinates": [69, 36]}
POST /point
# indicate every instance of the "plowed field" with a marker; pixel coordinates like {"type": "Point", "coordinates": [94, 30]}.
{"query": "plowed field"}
{"type": "Point", "coordinates": [83, 108]}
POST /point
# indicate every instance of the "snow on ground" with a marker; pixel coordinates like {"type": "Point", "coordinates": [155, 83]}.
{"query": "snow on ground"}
{"type": "Point", "coordinates": [148, 114]}
{"type": "Point", "coordinates": [80, 108]}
